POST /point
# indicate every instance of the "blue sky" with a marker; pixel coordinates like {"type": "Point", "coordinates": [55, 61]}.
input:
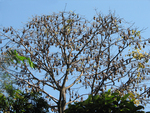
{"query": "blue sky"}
{"type": "Point", "coordinates": [16, 13]}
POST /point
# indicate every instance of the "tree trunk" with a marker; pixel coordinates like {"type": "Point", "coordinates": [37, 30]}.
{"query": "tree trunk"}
{"type": "Point", "coordinates": [62, 101]}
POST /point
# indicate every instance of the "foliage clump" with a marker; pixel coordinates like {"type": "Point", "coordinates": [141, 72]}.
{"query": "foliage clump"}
{"type": "Point", "coordinates": [17, 101]}
{"type": "Point", "coordinates": [105, 103]}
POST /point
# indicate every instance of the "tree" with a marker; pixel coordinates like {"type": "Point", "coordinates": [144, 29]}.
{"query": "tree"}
{"type": "Point", "coordinates": [73, 53]}
{"type": "Point", "coordinates": [5, 78]}
{"type": "Point", "coordinates": [105, 103]}
{"type": "Point", "coordinates": [14, 100]}
{"type": "Point", "coordinates": [20, 102]}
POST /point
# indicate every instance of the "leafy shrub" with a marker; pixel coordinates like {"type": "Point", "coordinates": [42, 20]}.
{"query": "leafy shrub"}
{"type": "Point", "coordinates": [105, 103]}
{"type": "Point", "coordinates": [19, 102]}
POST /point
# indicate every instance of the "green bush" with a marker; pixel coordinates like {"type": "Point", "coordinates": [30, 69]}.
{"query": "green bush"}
{"type": "Point", "coordinates": [19, 102]}
{"type": "Point", "coordinates": [105, 103]}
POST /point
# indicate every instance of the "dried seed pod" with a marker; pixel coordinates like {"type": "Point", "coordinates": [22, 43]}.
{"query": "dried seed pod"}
{"type": "Point", "coordinates": [120, 21]}
{"type": "Point", "coordinates": [143, 46]}
{"type": "Point", "coordinates": [94, 17]}
{"type": "Point", "coordinates": [129, 33]}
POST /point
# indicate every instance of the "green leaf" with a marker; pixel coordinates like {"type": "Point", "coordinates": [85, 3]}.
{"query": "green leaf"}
{"type": "Point", "coordinates": [125, 97]}
{"type": "Point", "coordinates": [15, 56]}
{"type": "Point", "coordinates": [96, 97]}
{"type": "Point", "coordinates": [88, 99]}
{"type": "Point", "coordinates": [139, 107]}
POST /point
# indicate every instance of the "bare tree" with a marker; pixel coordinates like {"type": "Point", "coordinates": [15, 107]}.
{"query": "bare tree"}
{"type": "Point", "coordinates": [68, 49]}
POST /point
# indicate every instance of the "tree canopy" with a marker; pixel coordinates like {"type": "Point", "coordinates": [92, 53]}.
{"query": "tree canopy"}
{"type": "Point", "coordinates": [105, 103]}
{"type": "Point", "coordinates": [19, 102]}
{"type": "Point", "coordinates": [66, 53]}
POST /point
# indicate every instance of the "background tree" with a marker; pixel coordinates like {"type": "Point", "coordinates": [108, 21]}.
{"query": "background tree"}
{"type": "Point", "coordinates": [14, 100]}
{"type": "Point", "coordinates": [19, 102]}
{"type": "Point", "coordinates": [105, 103]}
{"type": "Point", "coordinates": [5, 78]}
{"type": "Point", "coordinates": [68, 49]}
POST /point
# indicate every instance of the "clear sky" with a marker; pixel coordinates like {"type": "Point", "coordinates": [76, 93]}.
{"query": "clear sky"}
{"type": "Point", "coordinates": [16, 13]}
